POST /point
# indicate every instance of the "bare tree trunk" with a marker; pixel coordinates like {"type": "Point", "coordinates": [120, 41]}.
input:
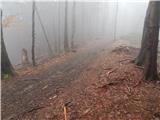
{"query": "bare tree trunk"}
{"type": "Point", "coordinates": [145, 38]}
{"type": "Point", "coordinates": [6, 66]}
{"type": "Point", "coordinates": [55, 46]}
{"type": "Point", "coordinates": [66, 45]}
{"type": "Point", "coordinates": [56, 32]}
{"type": "Point", "coordinates": [33, 34]}
{"type": "Point", "coordinates": [73, 24]}
{"type": "Point", "coordinates": [50, 51]}
{"type": "Point", "coordinates": [59, 33]}
{"type": "Point", "coordinates": [150, 62]}
{"type": "Point", "coordinates": [115, 23]}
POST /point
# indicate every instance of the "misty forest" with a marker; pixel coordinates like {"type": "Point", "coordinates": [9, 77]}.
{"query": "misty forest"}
{"type": "Point", "coordinates": [78, 60]}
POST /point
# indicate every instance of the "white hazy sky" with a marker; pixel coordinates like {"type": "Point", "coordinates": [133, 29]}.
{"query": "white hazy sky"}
{"type": "Point", "coordinates": [76, 0]}
{"type": "Point", "coordinates": [79, 0]}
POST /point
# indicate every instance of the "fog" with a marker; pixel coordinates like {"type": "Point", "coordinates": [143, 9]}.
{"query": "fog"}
{"type": "Point", "coordinates": [105, 21]}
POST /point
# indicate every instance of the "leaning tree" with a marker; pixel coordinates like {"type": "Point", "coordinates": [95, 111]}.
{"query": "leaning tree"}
{"type": "Point", "coordinates": [6, 66]}
{"type": "Point", "coordinates": [149, 45]}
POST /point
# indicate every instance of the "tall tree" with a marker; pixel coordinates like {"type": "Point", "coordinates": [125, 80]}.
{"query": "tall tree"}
{"type": "Point", "coordinates": [73, 24]}
{"type": "Point", "coordinates": [6, 66]}
{"type": "Point", "coordinates": [56, 32]}
{"type": "Point", "coordinates": [150, 64]}
{"type": "Point", "coordinates": [145, 37]}
{"type": "Point", "coordinates": [116, 21]}
{"type": "Point", "coordinates": [50, 51]}
{"type": "Point", "coordinates": [66, 43]}
{"type": "Point", "coordinates": [149, 45]}
{"type": "Point", "coordinates": [59, 33]}
{"type": "Point", "coordinates": [56, 43]}
{"type": "Point", "coordinates": [33, 34]}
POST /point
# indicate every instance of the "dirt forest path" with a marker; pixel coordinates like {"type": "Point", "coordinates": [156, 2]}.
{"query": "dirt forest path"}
{"type": "Point", "coordinates": [24, 95]}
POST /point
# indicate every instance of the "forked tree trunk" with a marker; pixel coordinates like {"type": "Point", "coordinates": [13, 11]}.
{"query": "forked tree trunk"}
{"type": "Point", "coordinates": [150, 64]}
{"type": "Point", "coordinates": [6, 66]}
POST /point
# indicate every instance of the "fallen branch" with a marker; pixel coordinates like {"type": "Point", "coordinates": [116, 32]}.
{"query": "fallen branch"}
{"type": "Point", "coordinates": [109, 72]}
{"type": "Point", "coordinates": [87, 111]}
{"type": "Point", "coordinates": [107, 68]}
{"type": "Point", "coordinates": [65, 112]}
{"type": "Point", "coordinates": [139, 67]}
{"type": "Point", "coordinates": [31, 79]}
{"type": "Point", "coordinates": [31, 110]}
{"type": "Point", "coordinates": [130, 59]}
{"type": "Point", "coordinates": [111, 83]}
{"type": "Point", "coordinates": [65, 109]}
{"type": "Point", "coordinates": [35, 109]}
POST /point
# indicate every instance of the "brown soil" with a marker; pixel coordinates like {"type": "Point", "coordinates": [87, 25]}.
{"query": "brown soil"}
{"type": "Point", "coordinates": [90, 86]}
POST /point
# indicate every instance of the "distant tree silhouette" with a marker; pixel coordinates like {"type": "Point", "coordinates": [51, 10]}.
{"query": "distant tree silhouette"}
{"type": "Point", "coordinates": [33, 34]}
{"type": "Point", "coordinates": [66, 42]}
{"type": "Point", "coordinates": [73, 24]}
{"type": "Point", "coordinates": [59, 32]}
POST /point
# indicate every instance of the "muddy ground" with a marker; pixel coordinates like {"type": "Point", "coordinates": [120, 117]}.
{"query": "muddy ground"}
{"type": "Point", "coordinates": [95, 83]}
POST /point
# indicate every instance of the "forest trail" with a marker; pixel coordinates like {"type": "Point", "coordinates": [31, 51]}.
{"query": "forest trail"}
{"type": "Point", "coordinates": [110, 87]}
{"type": "Point", "coordinates": [27, 93]}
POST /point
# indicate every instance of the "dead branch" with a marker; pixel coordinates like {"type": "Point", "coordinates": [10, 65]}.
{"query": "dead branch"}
{"type": "Point", "coordinates": [35, 109]}
{"type": "Point", "coordinates": [109, 72]}
{"type": "Point", "coordinates": [65, 109]}
{"type": "Point", "coordinates": [65, 112]}
{"type": "Point", "coordinates": [107, 68]}
{"type": "Point", "coordinates": [139, 67]}
{"type": "Point", "coordinates": [112, 83]}
{"type": "Point", "coordinates": [128, 59]}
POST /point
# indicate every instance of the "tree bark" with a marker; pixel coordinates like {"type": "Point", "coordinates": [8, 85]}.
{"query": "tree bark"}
{"type": "Point", "coordinates": [50, 51]}
{"type": "Point", "coordinates": [116, 21]}
{"type": "Point", "coordinates": [66, 45]}
{"type": "Point", "coordinates": [55, 44]}
{"type": "Point", "coordinates": [59, 33]}
{"type": "Point", "coordinates": [145, 37]}
{"type": "Point", "coordinates": [73, 24]}
{"type": "Point", "coordinates": [33, 34]}
{"type": "Point", "coordinates": [150, 62]}
{"type": "Point", "coordinates": [6, 66]}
